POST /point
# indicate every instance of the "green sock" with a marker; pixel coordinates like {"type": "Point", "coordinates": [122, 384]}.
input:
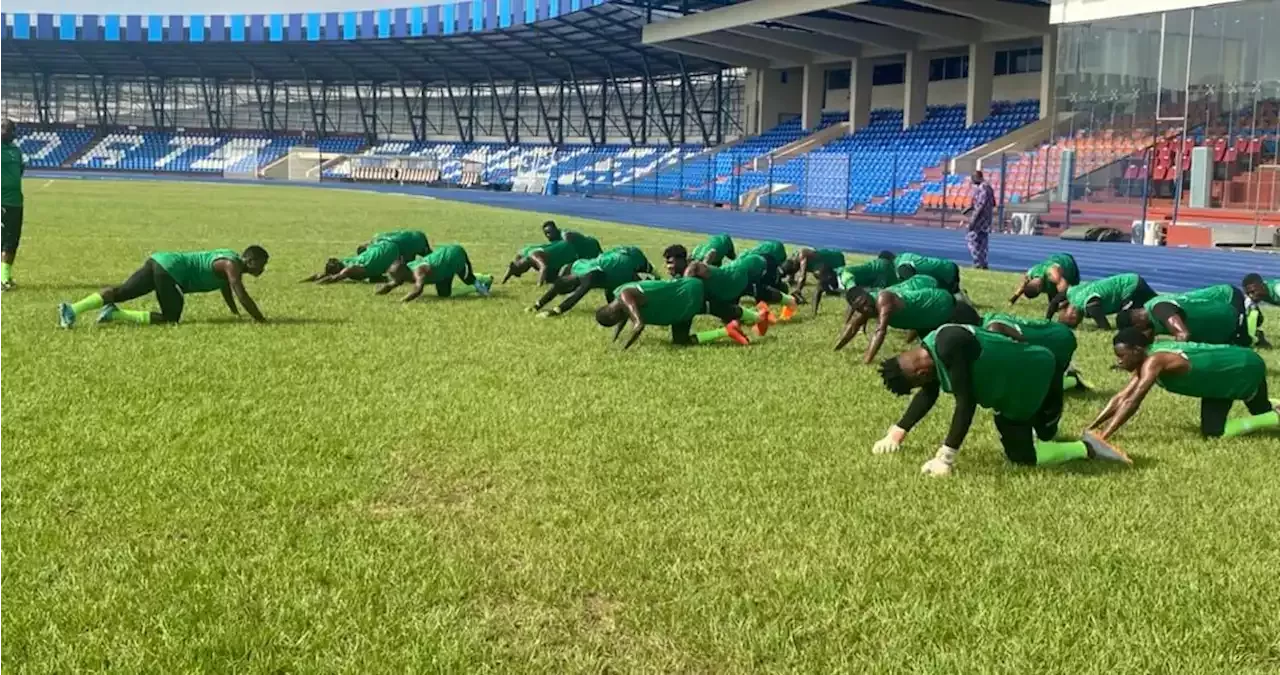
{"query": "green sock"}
{"type": "Point", "coordinates": [1057, 452]}
{"type": "Point", "coordinates": [6, 275]}
{"type": "Point", "coordinates": [486, 279]}
{"type": "Point", "coordinates": [711, 335]}
{"type": "Point", "coordinates": [132, 315]}
{"type": "Point", "coordinates": [464, 289]}
{"type": "Point", "coordinates": [1245, 425]}
{"type": "Point", "coordinates": [750, 316]}
{"type": "Point", "coordinates": [90, 302]}
{"type": "Point", "coordinates": [1069, 382]}
{"type": "Point", "coordinates": [788, 299]}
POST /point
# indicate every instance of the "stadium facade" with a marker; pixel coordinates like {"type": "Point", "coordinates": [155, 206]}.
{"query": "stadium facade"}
{"type": "Point", "coordinates": [1112, 112]}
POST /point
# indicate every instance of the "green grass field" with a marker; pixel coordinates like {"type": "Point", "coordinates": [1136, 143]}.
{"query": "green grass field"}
{"type": "Point", "coordinates": [454, 486]}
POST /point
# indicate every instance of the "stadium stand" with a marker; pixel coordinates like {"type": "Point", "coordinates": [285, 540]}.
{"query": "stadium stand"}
{"type": "Point", "coordinates": [166, 152]}
{"type": "Point", "coordinates": [52, 147]}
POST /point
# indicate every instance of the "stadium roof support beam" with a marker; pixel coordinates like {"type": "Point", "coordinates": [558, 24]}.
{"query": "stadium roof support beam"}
{"type": "Point", "coordinates": [879, 36]}
{"type": "Point", "coordinates": [801, 40]}
{"type": "Point", "coordinates": [739, 14]}
{"type": "Point", "coordinates": [719, 54]}
{"type": "Point", "coordinates": [937, 25]}
{"type": "Point", "coordinates": [663, 123]}
{"type": "Point", "coordinates": [746, 45]}
{"type": "Point", "coordinates": [1011, 14]}
{"type": "Point", "coordinates": [582, 103]}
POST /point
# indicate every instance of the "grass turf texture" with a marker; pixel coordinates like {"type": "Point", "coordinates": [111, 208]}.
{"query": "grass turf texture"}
{"type": "Point", "coordinates": [456, 486]}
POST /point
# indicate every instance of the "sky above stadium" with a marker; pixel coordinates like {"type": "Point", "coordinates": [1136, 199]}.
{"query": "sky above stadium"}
{"type": "Point", "coordinates": [204, 6]}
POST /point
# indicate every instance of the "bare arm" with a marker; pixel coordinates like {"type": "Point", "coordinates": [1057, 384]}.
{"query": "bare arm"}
{"type": "Point", "coordinates": [1006, 330]}
{"type": "Point", "coordinates": [1019, 290]}
{"type": "Point", "coordinates": [1133, 398]}
{"type": "Point", "coordinates": [346, 273]}
{"type": "Point", "coordinates": [1114, 403]}
{"type": "Point", "coordinates": [1058, 279]}
{"type": "Point", "coordinates": [885, 306]}
{"type": "Point", "coordinates": [230, 300]}
{"type": "Point", "coordinates": [802, 273]}
{"type": "Point", "coordinates": [236, 282]}
{"type": "Point", "coordinates": [1177, 327]}
{"type": "Point", "coordinates": [853, 322]}
{"type": "Point", "coordinates": [419, 283]}
{"type": "Point", "coordinates": [632, 303]}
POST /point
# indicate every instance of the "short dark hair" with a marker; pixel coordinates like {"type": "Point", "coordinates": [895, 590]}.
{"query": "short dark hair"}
{"type": "Point", "coordinates": [551, 223]}
{"type": "Point", "coordinates": [256, 251]}
{"type": "Point", "coordinates": [1124, 319]}
{"type": "Point", "coordinates": [887, 255]}
{"type": "Point", "coordinates": [855, 293]}
{"type": "Point", "coordinates": [1251, 278]}
{"type": "Point", "coordinates": [333, 266]}
{"type": "Point", "coordinates": [1031, 292]}
{"type": "Point", "coordinates": [675, 251]}
{"type": "Point", "coordinates": [895, 380]}
{"type": "Point", "coordinates": [605, 316]}
{"type": "Point", "coordinates": [1132, 337]}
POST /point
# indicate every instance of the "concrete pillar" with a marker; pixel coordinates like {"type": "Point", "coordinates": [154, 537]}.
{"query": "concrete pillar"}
{"type": "Point", "coordinates": [859, 94]}
{"type": "Point", "coordinates": [916, 89]}
{"type": "Point", "coordinates": [1048, 73]}
{"type": "Point", "coordinates": [811, 97]}
{"type": "Point", "coordinates": [982, 68]}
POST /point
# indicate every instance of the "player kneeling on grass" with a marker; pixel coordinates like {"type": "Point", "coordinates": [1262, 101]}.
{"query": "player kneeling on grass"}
{"type": "Point", "coordinates": [607, 271]}
{"type": "Point", "coordinates": [171, 276]}
{"type": "Point", "coordinates": [439, 268]}
{"type": "Point", "coordinates": [1218, 375]}
{"type": "Point", "coordinates": [1047, 333]}
{"type": "Point", "coordinates": [906, 307]}
{"type": "Point", "coordinates": [822, 263]}
{"type": "Point", "coordinates": [1018, 381]}
{"type": "Point", "coordinates": [945, 272]}
{"type": "Point", "coordinates": [725, 286]}
{"type": "Point", "coordinates": [715, 250]}
{"type": "Point", "coordinates": [1213, 315]}
{"type": "Point", "coordinates": [370, 263]}
{"type": "Point", "coordinates": [1054, 276]}
{"type": "Point", "coordinates": [548, 259]}
{"type": "Point", "coordinates": [664, 302]}
{"type": "Point", "coordinates": [584, 245]}
{"type": "Point", "coordinates": [1103, 297]}
{"type": "Point", "coordinates": [878, 273]}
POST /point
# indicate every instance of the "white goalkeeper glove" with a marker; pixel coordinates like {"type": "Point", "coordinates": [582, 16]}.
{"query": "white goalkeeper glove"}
{"type": "Point", "coordinates": [942, 464]}
{"type": "Point", "coordinates": [892, 441]}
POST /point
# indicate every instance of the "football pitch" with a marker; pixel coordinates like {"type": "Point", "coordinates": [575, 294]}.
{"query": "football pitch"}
{"type": "Point", "coordinates": [456, 486]}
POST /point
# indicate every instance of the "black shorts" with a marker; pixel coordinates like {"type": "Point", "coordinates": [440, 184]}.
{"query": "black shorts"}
{"type": "Point", "coordinates": [152, 277]}
{"type": "Point", "coordinates": [1214, 411]}
{"type": "Point", "coordinates": [12, 231]}
{"type": "Point", "coordinates": [1019, 436]}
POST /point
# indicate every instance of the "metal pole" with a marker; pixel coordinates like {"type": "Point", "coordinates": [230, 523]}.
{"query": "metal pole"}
{"type": "Point", "coordinates": [1004, 165]}
{"type": "Point", "coordinates": [1186, 113]}
{"type": "Point", "coordinates": [946, 187]}
{"type": "Point", "coordinates": [1147, 156]}
{"type": "Point", "coordinates": [893, 192]}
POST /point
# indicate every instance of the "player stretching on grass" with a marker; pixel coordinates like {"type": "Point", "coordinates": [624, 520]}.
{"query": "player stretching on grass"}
{"type": "Point", "coordinates": [665, 302]}
{"type": "Point", "coordinates": [549, 259]}
{"type": "Point", "coordinates": [1259, 290]}
{"type": "Point", "coordinates": [873, 274]}
{"type": "Point", "coordinates": [715, 250]}
{"type": "Point", "coordinates": [584, 246]}
{"type": "Point", "coordinates": [171, 276]}
{"type": "Point", "coordinates": [724, 287]}
{"type": "Point", "coordinates": [945, 272]}
{"type": "Point", "coordinates": [1110, 295]}
{"type": "Point", "coordinates": [1213, 315]}
{"type": "Point", "coordinates": [439, 268]}
{"type": "Point", "coordinates": [607, 271]}
{"type": "Point", "coordinates": [370, 263]}
{"type": "Point", "coordinates": [822, 263]}
{"type": "Point", "coordinates": [1047, 333]}
{"type": "Point", "coordinates": [918, 310]}
{"type": "Point", "coordinates": [1053, 275]}
{"type": "Point", "coordinates": [982, 368]}
{"type": "Point", "coordinates": [412, 244]}
{"type": "Point", "coordinates": [1218, 375]}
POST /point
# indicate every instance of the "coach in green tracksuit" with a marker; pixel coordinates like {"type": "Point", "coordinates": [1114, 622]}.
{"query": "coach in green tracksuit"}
{"type": "Point", "coordinates": [1098, 299]}
{"type": "Point", "coordinates": [607, 271]}
{"type": "Point", "coordinates": [1214, 315]}
{"type": "Point", "coordinates": [11, 170]}
{"type": "Point", "coordinates": [1218, 375]}
{"type": "Point", "coordinates": [983, 368]}
{"type": "Point", "coordinates": [171, 276]}
{"type": "Point", "coordinates": [1053, 275]}
{"type": "Point", "coordinates": [905, 307]}
{"type": "Point", "coordinates": [1259, 290]}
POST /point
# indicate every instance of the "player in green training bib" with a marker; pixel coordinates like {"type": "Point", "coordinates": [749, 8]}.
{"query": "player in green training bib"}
{"type": "Point", "coordinates": [1053, 276]}
{"type": "Point", "coordinates": [11, 170]}
{"type": "Point", "coordinates": [607, 271]}
{"type": "Point", "coordinates": [1098, 299]}
{"type": "Point", "coordinates": [1259, 290]}
{"type": "Point", "coordinates": [1218, 375]}
{"type": "Point", "coordinates": [917, 310]}
{"type": "Point", "coordinates": [370, 263]}
{"type": "Point", "coordinates": [715, 250]}
{"type": "Point", "coordinates": [662, 302]}
{"type": "Point", "coordinates": [584, 246]}
{"type": "Point", "coordinates": [1213, 315]}
{"type": "Point", "coordinates": [548, 259]}
{"type": "Point", "coordinates": [724, 287]}
{"type": "Point", "coordinates": [1056, 337]}
{"type": "Point", "coordinates": [412, 244]}
{"type": "Point", "coordinates": [983, 368]}
{"type": "Point", "coordinates": [822, 263]}
{"type": "Point", "coordinates": [876, 274]}
{"type": "Point", "coordinates": [172, 276]}
{"type": "Point", "coordinates": [945, 272]}
{"type": "Point", "coordinates": [439, 268]}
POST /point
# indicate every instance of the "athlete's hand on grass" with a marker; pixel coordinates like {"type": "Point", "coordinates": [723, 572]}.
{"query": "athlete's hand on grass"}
{"type": "Point", "coordinates": [942, 464]}
{"type": "Point", "coordinates": [892, 441]}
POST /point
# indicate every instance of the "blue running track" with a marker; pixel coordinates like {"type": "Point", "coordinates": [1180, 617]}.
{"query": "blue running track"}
{"type": "Point", "coordinates": [1163, 268]}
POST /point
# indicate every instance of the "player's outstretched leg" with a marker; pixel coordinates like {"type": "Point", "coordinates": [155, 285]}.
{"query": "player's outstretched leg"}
{"type": "Point", "coordinates": [140, 283]}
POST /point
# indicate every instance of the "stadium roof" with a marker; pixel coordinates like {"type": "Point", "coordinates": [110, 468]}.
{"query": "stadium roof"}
{"type": "Point", "coordinates": [760, 33]}
{"type": "Point", "coordinates": [451, 43]}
